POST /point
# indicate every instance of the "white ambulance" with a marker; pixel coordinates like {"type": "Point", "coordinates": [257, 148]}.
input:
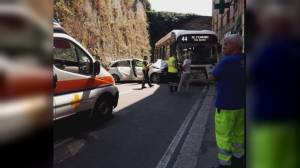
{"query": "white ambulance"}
{"type": "Point", "coordinates": [81, 84]}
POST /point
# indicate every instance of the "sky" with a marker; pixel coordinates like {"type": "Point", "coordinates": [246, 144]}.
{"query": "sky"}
{"type": "Point", "coordinates": [200, 7]}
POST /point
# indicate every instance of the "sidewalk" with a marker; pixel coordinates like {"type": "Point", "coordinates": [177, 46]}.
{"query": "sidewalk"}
{"type": "Point", "coordinates": [199, 148]}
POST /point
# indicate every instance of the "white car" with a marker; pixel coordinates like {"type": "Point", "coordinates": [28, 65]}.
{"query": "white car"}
{"type": "Point", "coordinates": [132, 70]}
{"type": "Point", "coordinates": [158, 71]}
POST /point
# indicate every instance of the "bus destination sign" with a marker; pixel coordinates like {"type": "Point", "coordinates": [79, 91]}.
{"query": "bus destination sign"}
{"type": "Point", "coordinates": [196, 38]}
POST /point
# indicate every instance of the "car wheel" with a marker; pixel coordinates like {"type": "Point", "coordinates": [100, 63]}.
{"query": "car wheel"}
{"type": "Point", "coordinates": [155, 78]}
{"type": "Point", "coordinates": [116, 78]}
{"type": "Point", "coordinates": [104, 107]}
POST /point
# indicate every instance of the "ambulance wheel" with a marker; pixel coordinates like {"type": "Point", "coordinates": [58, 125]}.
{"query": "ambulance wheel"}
{"type": "Point", "coordinates": [116, 78]}
{"type": "Point", "coordinates": [104, 106]}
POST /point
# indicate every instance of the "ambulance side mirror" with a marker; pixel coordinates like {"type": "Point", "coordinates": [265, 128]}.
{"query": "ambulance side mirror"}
{"type": "Point", "coordinates": [97, 67]}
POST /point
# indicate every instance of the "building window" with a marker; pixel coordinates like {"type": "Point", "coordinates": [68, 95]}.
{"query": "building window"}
{"type": "Point", "coordinates": [228, 16]}
{"type": "Point", "coordinates": [235, 5]}
{"type": "Point", "coordinates": [233, 18]}
{"type": "Point", "coordinates": [216, 27]}
{"type": "Point", "coordinates": [222, 21]}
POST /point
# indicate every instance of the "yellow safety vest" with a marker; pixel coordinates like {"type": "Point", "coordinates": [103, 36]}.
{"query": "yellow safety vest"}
{"type": "Point", "coordinates": [171, 65]}
{"type": "Point", "coordinates": [145, 67]}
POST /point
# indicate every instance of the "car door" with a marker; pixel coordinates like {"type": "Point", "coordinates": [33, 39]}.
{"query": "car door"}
{"type": "Point", "coordinates": [124, 69]}
{"type": "Point", "coordinates": [138, 65]}
{"type": "Point", "coordinates": [73, 68]}
{"type": "Point", "coordinates": [113, 69]}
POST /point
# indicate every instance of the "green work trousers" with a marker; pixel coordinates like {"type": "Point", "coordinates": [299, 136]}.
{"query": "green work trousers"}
{"type": "Point", "coordinates": [274, 145]}
{"type": "Point", "coordinates": [229, 126]}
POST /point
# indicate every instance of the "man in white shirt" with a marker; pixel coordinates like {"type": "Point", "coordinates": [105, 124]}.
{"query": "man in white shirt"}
{"type": "Point", "coordinates": [186, 72]}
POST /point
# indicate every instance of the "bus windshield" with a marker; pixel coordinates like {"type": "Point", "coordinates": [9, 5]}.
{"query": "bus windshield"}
{"type": "Point", "coordinates": [199, 53]}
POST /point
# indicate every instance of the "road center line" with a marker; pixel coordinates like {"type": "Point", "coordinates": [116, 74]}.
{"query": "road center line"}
{"type": "Point", "coordinates": [164, 161]}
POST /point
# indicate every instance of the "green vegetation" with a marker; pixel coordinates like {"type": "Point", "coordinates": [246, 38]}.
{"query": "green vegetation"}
{"type": "Point", "coordinates": [161, 23]}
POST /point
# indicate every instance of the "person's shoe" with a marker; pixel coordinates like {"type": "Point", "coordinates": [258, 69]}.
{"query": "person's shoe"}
{"type": "Point", "coordinates": [151, 85]}
{"type": "Point", "coordinates": [143, 87]}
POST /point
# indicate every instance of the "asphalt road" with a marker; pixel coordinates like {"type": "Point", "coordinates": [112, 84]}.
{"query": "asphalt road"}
{"type": "Point", "coordinates": [142, 128]}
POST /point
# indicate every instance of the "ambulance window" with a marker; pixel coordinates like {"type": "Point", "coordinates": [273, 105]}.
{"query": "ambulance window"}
{"type": "Point", "coordinates": [85, 62]}
{"type": "Point", "coordinates": [65, 55]}
{"type": "Point", "coordinates": [124, 64]}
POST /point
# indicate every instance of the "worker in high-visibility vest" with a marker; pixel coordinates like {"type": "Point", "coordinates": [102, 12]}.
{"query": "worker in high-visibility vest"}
{"type": "Point", "coordinates": [172, 73]}
{"type": "Point", "coordinates": [146, 79]}
{"type": "Point", "coordinates": [274, 104]}
{"type": "Point", "coordinates": [230, 103]}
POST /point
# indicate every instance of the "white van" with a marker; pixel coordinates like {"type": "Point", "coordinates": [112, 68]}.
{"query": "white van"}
{"type": "Point", "coordinates": [80, 82]}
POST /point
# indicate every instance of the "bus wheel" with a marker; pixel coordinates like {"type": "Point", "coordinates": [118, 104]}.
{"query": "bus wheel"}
{"type": "Point", "coordinates": [155, 78]}
{"type": "Point", "coordinates": [116, 78]}
{"type": "Point", "coordinates": [104, 107]}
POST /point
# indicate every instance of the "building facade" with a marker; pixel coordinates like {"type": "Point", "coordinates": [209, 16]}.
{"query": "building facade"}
{"type": "Point", "coordinates": [231, 21]}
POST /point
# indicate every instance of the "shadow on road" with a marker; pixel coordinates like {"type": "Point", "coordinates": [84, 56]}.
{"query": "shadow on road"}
{"type": "Point", "coordinates": [136, 136]}
{"type": "Point", "coordinates": [77, 125]}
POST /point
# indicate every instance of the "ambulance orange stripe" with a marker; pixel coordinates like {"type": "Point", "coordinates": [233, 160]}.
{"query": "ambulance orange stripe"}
{"type": "Point", "coordinates": [82, 84]}
{"type": "Point", "coordinates": [24, 86]}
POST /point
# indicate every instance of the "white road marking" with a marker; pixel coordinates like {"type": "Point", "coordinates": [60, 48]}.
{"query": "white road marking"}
{"type": "Point", "coordinates": [70, 148]}
{"type": "Point", "coordinates": [76, 146]}
{"type": "Point", "coordinates": [164, 161]}
{"type": "Point", "coordinates": [62, 142]}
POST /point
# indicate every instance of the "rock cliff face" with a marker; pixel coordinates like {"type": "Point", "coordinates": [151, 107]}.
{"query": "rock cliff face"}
{"type": "Point", "coordinates": [111, 29]}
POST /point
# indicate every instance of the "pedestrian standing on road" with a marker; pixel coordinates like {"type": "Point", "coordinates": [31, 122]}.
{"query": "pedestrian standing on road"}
{"type": "Point", "coordinates": [146, 74]}
{"type": "Point", "coordinates": [230, 103]}
{"type": "Point", "coordinates": [172, 73]}
{"type": "Point", "coordinates": [185, 75]}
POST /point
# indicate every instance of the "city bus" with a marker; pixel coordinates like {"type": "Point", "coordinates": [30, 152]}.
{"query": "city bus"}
{"type": "Point", "coordinates": [201, 45]}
